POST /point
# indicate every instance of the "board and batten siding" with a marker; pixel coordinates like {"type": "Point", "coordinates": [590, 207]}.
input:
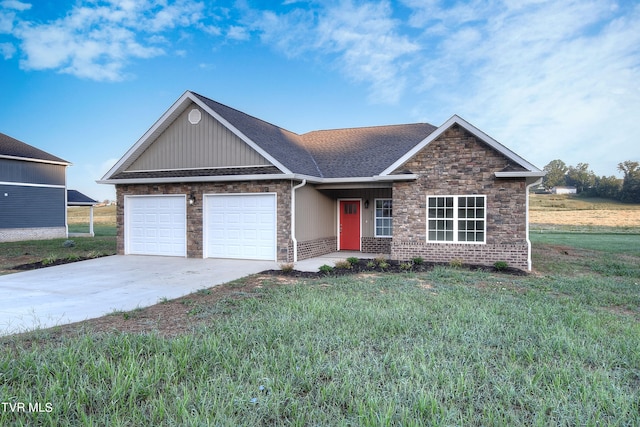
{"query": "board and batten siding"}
{"type": "Point", "coordinates": [29, 207]}
{"type": "Point", "coordinates": [207, 144]}
{"type": "Point", "coordinates": [315, 214]}
{"type": "Point", "coordinates": [27, 172]}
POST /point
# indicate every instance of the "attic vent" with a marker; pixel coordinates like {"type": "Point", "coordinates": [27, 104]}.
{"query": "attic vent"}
{"type": "Point", "coordinates": [195, 116]}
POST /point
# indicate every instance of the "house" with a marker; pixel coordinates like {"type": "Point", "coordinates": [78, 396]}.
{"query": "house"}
{"type": "Point", "coordinates": [564, 190]}
{"type": "Point", "coordinates": [207, 180]}
{"type": "Point", "coordinates": [32, 192]}
{"type": "Point", "coordinates": [76, 198]}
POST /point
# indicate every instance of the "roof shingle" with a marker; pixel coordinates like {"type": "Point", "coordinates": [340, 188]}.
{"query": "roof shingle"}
{"type": "Point", "coordinates": [12, 147]}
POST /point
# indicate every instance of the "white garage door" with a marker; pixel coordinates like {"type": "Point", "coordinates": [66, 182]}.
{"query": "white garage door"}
{"type": "Point", "coordinates": [156, 225]}
{"type": "Point", "coordinates": [240, 226]}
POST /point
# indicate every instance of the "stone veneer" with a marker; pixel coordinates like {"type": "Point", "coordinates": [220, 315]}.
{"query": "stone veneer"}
{"type": "Point", "coordinates": [457, 163]}
{"type": "Point", "coordinates": [194, 212]}
{"type": "Point", "coordinates": [36, 233]}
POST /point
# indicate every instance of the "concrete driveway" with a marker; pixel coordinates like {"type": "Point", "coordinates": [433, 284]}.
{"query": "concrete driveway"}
{"type": "Point", "coordinates": [87, 289]}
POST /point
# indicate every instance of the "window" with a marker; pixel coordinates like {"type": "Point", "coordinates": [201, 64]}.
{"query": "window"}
{"type": "Point", "coordinates": [456, 219]}
{"type": "Point", "coordinates": [384, 218]}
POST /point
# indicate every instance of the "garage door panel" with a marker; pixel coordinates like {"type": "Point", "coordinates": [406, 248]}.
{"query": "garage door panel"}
{"type": "Point", "coordinates": [156, 225]}
{"type": "Point", "coordinates": [240, 226]}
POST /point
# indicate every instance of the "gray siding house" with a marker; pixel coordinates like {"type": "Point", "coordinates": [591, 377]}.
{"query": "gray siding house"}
{"type": "Point", "coordinates": [207, 180]}
{"type": "Point", "coordinates": [33, 196]}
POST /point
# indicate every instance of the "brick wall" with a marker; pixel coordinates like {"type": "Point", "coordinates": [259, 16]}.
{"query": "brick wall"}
{"type": "Point", "coordinates": [317, 247]}
{"type": "Point", "coordinates": [376, 245]}
{"type": "Point", "coordinates": [194, 212]}
{"type": "Point", "coordinates": [458, 164]}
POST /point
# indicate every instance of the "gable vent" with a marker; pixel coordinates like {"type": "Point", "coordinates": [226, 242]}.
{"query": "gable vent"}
{"type": "Point", "coordinates": [195, 116]}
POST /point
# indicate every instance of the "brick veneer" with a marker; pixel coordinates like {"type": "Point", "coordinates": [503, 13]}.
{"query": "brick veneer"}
{"type": "Point", "coordinates": [458, 164]}
{"type": "Point", "coordinates": [194, 212]}
{"type": "Point", "coordinates": [376, 245]}
{"type": "Point", "coordinates": [317, 247]}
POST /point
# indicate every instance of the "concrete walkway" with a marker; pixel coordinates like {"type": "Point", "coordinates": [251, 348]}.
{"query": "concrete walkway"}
{"type": "Point", "coordinates": [82, 290]}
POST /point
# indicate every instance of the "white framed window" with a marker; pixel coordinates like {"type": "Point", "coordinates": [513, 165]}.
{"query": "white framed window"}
{"type": "Point", "coordinates": [457, 219]}
{"type": "Point", "coordinates": [384, 218]}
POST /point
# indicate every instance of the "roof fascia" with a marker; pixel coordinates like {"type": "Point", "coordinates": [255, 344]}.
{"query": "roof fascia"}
{"type": "Point", "coordinates": [527, 174]}
{"type": "Point", "coordinates": [239, 134]}
{"type": "Point", "coordinates": [455, 119]}
{"type": "Point", "coordinates": [220, 178]}
{"type": "Point", "coordinates": [31, 159]}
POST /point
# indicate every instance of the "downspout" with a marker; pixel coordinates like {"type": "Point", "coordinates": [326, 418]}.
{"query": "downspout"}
{"type": "Point", "coordinates": [537, 182]}
{"type": "Point", "coordinates": [293, 219]}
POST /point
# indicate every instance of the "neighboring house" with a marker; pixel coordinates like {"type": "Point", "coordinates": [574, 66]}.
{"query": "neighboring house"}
{"type": "Point", "coordinates": [76, 198]}
{"type": "Point", "coordinates": [32, 192]}
{"type": "Point", "coordinates": [564, 190]}
{"type": "Point", "coordinates": [207, 180]}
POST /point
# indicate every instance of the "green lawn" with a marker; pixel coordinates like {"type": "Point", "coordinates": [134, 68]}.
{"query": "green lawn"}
{"type": "Point", "coordinates": [447, 347]}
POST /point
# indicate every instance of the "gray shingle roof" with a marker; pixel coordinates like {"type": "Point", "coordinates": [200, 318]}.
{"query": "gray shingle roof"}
{"type": "Point", "coordinates": [338, 153]}
{"type": "Point", "coordinates": [12, 147]}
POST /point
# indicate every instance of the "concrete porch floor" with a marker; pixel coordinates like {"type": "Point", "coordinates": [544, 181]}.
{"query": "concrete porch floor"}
{"type": "Point", "coordinates": [313, 264]}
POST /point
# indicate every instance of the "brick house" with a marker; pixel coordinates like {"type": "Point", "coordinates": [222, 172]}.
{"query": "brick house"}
{"type": "Point", "coordinates": [207, 180]}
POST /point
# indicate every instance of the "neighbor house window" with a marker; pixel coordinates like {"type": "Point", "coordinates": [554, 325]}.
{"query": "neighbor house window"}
{"type": "Point", "coordinates": [384, 218]}
{"type": "Point", "coordinates": [456, 219]}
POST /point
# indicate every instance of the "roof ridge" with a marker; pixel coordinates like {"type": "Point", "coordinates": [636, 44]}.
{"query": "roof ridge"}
{"type": "Point", "coordinates": [368, 127]}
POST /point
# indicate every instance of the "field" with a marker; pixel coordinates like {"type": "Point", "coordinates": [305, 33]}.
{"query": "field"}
{"type": "Point", "coordinates": [570, 213]}
{"type": "Point", "coordinates": [445, 347]}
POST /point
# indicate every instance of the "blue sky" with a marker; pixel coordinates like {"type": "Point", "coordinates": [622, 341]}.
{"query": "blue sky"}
{"type": "Point", "coordinates": [84, 79]}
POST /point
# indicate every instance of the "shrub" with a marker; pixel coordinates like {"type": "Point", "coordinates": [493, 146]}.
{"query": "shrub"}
{"type": "Point", "coordinates": [371, 264]}
{"type": "Point", "coordinates": [455, 263]}
{"type": "Point", "coordinates": [418, 260]}
{"type": "Point", "coordinates": [344, 264]}
{"type": "Point", "coordinates": [406, 266]}
{"type": "Point", "coordinates": [353, 260]}
{"type": "Point", "coordinates": [286, 267]}
{"type": "Point", "coordinates": [326, 269]}
{"type": "Point", "coordinates": [49, 260]}
{"type": "Point", "coordinates": [500, 265]}
{"type": "Point", "coordinates": [383, 265]}
{"type": "Point", "coordinates": [69, 244]}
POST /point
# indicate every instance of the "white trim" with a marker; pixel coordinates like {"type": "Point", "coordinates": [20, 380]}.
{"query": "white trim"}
{"type": "Point", "coordinates": [127, 216]}
{"type": "Point", "coordinates": [375, 225]}
{"type": "Point", "coordinates": [257, 177]}
{"type": "Point", "coordinates": [294, 240]}
{"type": "Point", "coordinates": [520, 174]}
{"type": "Point", "coordinates": [455, 119]}
{"type": "Point", "coordinates": [349, 199]}
{"type": "Point", "coordinates": [205, 216]}
{"type": "Point", "coordinates": [29, 184]}
{"type": "Point", "coordinates": [30, 159]}
{"type": "Point", "coordinates": [455, 219]}
{"type": "Point", "coordinates": [165, 121]}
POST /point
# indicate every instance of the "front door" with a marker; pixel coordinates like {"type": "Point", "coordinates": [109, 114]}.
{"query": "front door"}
{"type": "Point", "coordinates": [350, 225]}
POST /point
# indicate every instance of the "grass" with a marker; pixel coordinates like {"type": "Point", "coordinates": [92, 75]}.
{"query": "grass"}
{"type": "Point", "coordinates": [447, 347]}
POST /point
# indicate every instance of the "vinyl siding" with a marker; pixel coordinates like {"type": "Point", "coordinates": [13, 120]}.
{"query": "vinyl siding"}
{"type": "Point", "coordinates": [204, 145]}
{"type": "Point", "coordinates": [31, 172]}
{"type": "Point", "coordinates": [28, 207]}
{"type": "Point", "coordinates": [315, 215]}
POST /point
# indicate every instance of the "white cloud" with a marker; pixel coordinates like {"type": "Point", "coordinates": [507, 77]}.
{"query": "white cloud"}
{"type": "Point", "coordinates": [556, 79]}
{"type": "Point", "coordinates": [238, 33]}
{"type": "Point", "coordinates": [361, 39]}
{"type": "Point", "coordinates": [7, 50]}
{"type": "Point", "coordinates": [15, 5]}
{"type": "Point", "coordinates": [97, 42]}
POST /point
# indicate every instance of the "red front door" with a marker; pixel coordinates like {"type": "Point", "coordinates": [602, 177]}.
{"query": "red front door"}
{"type": "Point", "coordinates": [350, 225]}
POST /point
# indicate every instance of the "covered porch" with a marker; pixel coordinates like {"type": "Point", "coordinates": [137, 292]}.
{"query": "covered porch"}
{"type": "Point", "coordinates": [330, 259]}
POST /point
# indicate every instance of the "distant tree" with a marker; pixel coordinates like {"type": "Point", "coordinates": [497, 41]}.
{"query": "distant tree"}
{"type": "Point", "coordinates": [581, 177]}
{"type": "Point", "coordinates": [630, 191]}
{"type": "Point", "coordinates": [608, 187]}
{"type": "Point", "coordinates": [556, 173]}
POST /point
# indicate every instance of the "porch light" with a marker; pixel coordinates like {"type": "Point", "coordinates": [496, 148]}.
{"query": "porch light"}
{"type": "Point", "coordinates": [366, 204]}
{"type": "Point", "coordinates": [192, 199]}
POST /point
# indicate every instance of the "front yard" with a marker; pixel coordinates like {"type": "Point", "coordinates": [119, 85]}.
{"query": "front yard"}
{"type": "Point", "coordinates": [444, 347]}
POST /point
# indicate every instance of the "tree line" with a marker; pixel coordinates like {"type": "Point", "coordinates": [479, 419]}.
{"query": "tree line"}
{"type": "Point", "coordinates": [626, 189]}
